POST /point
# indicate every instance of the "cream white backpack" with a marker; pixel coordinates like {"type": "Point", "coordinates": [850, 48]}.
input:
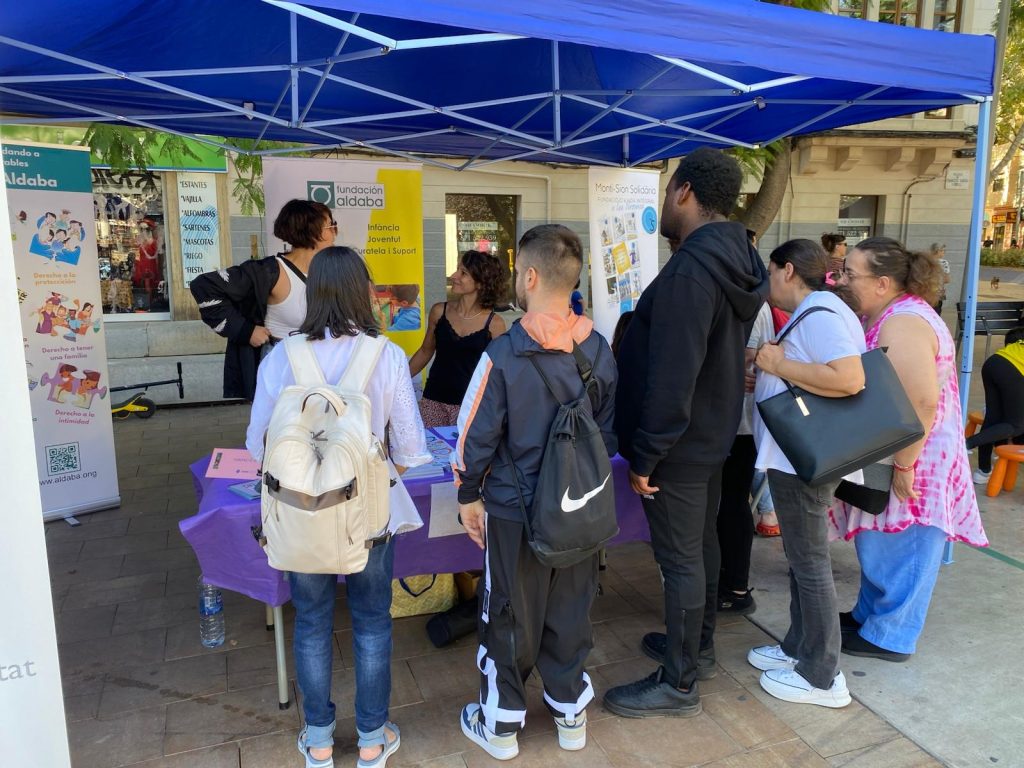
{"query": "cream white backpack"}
{"type": "Point", "coordinates": [326, 478]}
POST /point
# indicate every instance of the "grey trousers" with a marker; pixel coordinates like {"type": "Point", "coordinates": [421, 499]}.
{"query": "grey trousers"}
{"type": "Point", "coordinates": [814, 636]}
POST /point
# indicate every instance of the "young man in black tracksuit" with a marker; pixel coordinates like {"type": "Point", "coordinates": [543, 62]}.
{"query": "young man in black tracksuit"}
{"type": "Point", "coordinates": [530, 614]}
{"type": "Point", "coordinates": [680, 394]}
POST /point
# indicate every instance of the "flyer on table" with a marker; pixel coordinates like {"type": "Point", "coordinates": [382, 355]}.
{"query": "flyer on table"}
{"type": "Point", "coordinates": [623, 241]}
{"type": "Point", "coordinates": [379, 210]}
{"type": "Point", "coordinates": [49, 195]}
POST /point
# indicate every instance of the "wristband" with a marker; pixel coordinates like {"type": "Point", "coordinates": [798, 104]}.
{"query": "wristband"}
{"type": "Point", "coordinates": [900, 468]}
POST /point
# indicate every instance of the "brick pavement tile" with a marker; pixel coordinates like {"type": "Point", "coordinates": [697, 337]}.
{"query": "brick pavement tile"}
{"type": "Point", "coordinates": [124, 545]}
{"type": "Point", "coordinates": [136, 688]}
{"type": "Point", "coordinates": [210, 720]}
{"type": "Point", "coordinates": [257, 665]}
{"type": "Point", "coordinates": [157, 561]}
{"type": "Point", "coordinates": [156, 521]}
{"type": "Point", "coordinates": [898, 753]}
{"type": "Point", "coordinates": [830, 732]}
{"type": "Point", "coordinates": [661, 741]}
{"type": "Point", "coordinates": [96, 569]}
{"type": "Point", "coordinates": [145, 479]}
{"type": "Point", "coordinates": [744, 718]}
{"type": "Point", "coordinates": [183, 580]}
{"type": "Point", "coordinates": [221, 756]}
{"type": "Point", "coordinates": [156, 612]}
{"type": "Point", "coordinates": [91, 657]}
{"type": "Point", "coordinates": [609, 647]}
{"type": "Point", "coordinates": [448, 761]}
{"type": "Point", "coordinates": [60, 552]}
{"type": "Point", "coordinates": [447, 674]}
{"type": "Point", "coordinates": [612, 605]}
{"type": "Point", "coordinates": [91, 527]}
{"type": "Point", "coordinates": [122, 740]}
{"type": "Point", "coordinates": [787, 754]}
{"type": "Point", "coordinates": [121, 589]}
{"type": "Point", "coordinates": [277, 750]}
{"type": "Point", "coordinates": [82, 707]}
{"type": "Point", "coordinates": [84, 623]}
{"type": "Point", "coordinates": [244, 627]}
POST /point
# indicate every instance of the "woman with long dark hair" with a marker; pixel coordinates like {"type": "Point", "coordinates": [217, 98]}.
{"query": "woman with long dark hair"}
{"type": "Point", "coordinates": [457, 334]}
{"type": "Point", "coordinates": [819, 352]}
{"type": "Point", "coordinates": [338, 312]}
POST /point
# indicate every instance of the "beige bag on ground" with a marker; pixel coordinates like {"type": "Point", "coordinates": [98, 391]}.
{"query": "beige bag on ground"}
{"type": "Point", "coordinates": [326, 479]}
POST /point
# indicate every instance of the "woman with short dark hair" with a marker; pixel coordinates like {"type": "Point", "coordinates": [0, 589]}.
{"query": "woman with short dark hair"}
{"type": "Point", "coordinates": [339, 312]}
{"type": "Point", "coordinates": [932, 500]}
{"type": "Point", "coordinates": [261, 301]}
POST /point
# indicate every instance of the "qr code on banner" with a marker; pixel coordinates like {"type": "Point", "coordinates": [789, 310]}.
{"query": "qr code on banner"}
{"type": "Point", "coordinates": [62, 458]}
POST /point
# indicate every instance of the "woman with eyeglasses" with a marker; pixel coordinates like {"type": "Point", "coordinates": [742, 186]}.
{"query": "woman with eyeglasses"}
{"type": "Point", "coordinates": [259, 302]}
{"type": "Point", "coordinates": [932, 500]}
{"type": "Point", "coordinates": [819, 351]}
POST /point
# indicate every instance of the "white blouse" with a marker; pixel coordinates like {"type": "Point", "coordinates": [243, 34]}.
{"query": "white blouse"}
{"type": "Point", "coordinates": [393, 405]}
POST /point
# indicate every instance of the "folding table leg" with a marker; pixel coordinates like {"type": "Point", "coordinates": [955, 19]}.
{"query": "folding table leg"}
{"type": "Point", "coordinates": [283, 701]}
{"type": "Point", "coordinates": [270, 617]}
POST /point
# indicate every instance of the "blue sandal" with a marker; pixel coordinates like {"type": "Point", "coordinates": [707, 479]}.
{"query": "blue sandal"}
{"type": "Point", "coordinates": [312, 762]}
{"type": "Point", "coordinates": [378, 738]}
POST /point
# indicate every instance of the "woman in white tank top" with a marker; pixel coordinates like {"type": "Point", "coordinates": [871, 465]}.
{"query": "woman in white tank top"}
{"type": "Point", "coordinates": [308, 229]}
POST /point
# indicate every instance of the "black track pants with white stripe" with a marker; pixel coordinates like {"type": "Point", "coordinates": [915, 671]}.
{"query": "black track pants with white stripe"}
{"type": "Point", "coordinates": [531, 616]}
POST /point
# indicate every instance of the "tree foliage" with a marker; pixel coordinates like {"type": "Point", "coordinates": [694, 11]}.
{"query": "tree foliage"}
{"type": "Point", "coordinates": [1010, 109]}
{"type": "Point", "coordinates": [126, 148]}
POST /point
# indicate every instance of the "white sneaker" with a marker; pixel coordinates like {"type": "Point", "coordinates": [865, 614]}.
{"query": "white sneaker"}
{"type": "Point", "coordinates": [572, 734]}
{"type": "Point", "coordinates": [766, 657]}
{"type": "Point", "coordinates": [498, 747]}
{"type": "Point", "coordinates": [790, 685]}
{"type": "Point", "coordinates": [981, 478]}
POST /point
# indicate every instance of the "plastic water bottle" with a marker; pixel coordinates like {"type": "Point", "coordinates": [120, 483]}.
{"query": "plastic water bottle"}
{"type": "Point", "coordinates": [211, 615]}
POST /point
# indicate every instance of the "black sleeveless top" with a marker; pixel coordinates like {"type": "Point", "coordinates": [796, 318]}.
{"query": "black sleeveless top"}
{"type": "Point", "coordinates": [455, 359]}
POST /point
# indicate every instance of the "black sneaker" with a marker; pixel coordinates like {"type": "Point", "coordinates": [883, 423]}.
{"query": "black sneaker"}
{"type": "Point", "coordinates": [653, 697]}
{"type": "Point", "coordinates": [738, 605]}
{"type": "Point", "coordinates": [653, 646]}
{"type": "Point", "coordinates": [855, 645]}
{"type": "Point", "coordinates": [847, 623]}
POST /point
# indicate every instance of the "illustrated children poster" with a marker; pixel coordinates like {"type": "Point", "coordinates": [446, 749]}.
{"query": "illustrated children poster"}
{"type": "Point", "coordinates": [49, 195]}
{"type": "Point", "coordinates": [623, 240]}
{"type": "Point", "coordinates": [379, 210]}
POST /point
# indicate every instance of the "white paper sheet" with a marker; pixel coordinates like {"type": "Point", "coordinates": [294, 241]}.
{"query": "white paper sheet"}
{"type": "Point", "coordinates": [444, 511]}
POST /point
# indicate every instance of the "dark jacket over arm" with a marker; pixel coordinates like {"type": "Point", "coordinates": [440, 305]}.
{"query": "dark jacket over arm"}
{"type": "Point", "coordinates": [233, 302]}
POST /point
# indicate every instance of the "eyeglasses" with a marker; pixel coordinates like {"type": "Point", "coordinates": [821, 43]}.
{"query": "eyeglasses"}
{"type": "Point", "coordinates": [852, 275]}
{"type": "Point", "coordinates": [333, 225]}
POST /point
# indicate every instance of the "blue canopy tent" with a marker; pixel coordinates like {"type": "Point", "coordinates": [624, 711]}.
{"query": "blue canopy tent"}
{"type": "Point", "coordinates": [580, 81]}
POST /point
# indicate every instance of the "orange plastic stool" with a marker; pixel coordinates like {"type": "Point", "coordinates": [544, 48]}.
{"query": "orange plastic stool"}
{"type": "Point", "coordinates": [1004, 473]}
{"type": "Point", "coordinates": [974, 420]}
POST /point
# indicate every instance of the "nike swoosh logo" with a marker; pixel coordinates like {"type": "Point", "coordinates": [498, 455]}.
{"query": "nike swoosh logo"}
{"type": "Point", "coordinates": [571, 505]}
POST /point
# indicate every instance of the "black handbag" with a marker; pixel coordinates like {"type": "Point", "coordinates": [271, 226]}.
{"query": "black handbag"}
{"type": "Point", "coordinates": [826, 438]}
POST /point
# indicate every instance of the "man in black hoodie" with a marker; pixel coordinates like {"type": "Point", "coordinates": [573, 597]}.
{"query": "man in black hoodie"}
{"type": "Point", "coordinates": [678, 404]}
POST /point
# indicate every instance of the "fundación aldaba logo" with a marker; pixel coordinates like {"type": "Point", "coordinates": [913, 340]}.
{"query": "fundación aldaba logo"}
{"type": "Point", "coordinates": [358, 195]}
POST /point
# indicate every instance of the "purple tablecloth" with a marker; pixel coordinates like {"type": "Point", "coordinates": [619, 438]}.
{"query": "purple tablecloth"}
{"type": "Point", "coordinates": [231, 558]}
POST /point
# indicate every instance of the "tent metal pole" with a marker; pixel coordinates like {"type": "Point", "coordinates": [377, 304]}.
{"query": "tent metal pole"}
{"type": "Point", "coordinates": [80, 119]}
{"type": "Point", "coordinates": [556, 92]}
{"type": "Point", "coordinates": [624, 97]}
{"type": "Point", "coordinates": [685, 139]}
{"type": "Point", "coordinates": [704, 72]}
{"type": "Point", "coordinates": [827, 113]}
{"type": "Point", "coordinates": [973, 268]}
{"type": "Point", "coordinates": [327, 71]}
{"type": "Point", "coordinates": [440, 42]}
{"type": "Point", "coordinates": [293, 35]}
{"type": "Point", "coordinates": [331, 21]}
{"type": "Point", "coordinates": [488, 148]}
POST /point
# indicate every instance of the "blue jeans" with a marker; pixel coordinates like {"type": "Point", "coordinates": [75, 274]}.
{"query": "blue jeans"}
{"type": "Point", "coordinates": [897, 576]}
{"type": "Point", "coordinates": [765, 503]}
{"type": "Point", "coordinates": [369, 602]}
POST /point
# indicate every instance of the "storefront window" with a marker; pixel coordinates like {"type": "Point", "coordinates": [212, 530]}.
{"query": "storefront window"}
{"type": "Point", "coordinates": [904, 13]}
{"type": "Point", "coordinates": [947, 16]}
{"type": "Point", "coordinates": [852, 8]}
{"type": "Point", "coordinates": [857, 216]}
{"type": "Point", "coordinates": [129, 212]}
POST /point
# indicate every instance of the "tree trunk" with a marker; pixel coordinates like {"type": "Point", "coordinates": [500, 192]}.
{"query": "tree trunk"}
{"type": "Point", "coordinates": [765, 206]}
{"type": "Point", "coordinates": [1018, 138]}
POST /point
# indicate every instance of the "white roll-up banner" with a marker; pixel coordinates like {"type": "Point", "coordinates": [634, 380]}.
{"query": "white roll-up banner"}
{"type": "Point", "coordinates": [50, 206]}
{"type": "Point", "coordinates": [32, 730]}
{"type": "Point", "coordinates": [623, 241]}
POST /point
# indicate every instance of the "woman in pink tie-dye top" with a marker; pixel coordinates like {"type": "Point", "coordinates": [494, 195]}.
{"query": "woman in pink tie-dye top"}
{"type": "Point", "coordinates": [932, 498]}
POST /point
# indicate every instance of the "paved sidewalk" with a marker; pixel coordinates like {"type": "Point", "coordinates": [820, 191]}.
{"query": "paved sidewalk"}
{"type": "Point", "coordinates": [140, 690]}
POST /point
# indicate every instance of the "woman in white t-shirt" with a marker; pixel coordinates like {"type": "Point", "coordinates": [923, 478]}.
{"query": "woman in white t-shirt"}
{"type": "Point", "coordinates": [338, 311]}
{"type": "Point", "coordinates": [821, 354]}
